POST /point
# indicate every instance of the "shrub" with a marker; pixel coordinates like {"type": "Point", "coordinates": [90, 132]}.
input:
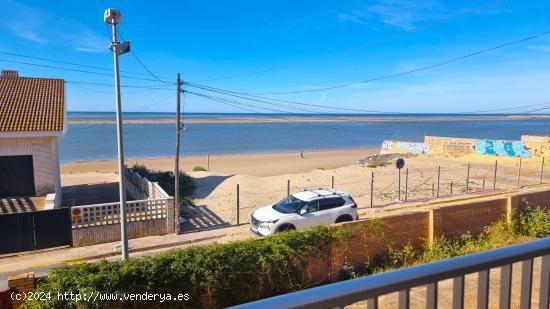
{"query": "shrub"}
{"type": "Point", "coordinates": [532, 222]}
{"type": "Point", "coordinates": [229, 274]}
{"type": "Point", "coordinates": [166, 181]}
{"type": "Point", "coordinates": [198, 168]}
{"type": "Point", "coordinates": [378, 163]}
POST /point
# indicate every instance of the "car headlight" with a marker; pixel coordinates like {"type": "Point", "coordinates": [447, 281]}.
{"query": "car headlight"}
{"type": "Point", "coordinates": [265, 224]}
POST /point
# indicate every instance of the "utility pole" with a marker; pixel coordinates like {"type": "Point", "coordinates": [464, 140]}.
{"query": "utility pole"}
{"type": "Point", "coordinates": [112, 17]}
{"type": "Point", "coordinates": [177, 162]}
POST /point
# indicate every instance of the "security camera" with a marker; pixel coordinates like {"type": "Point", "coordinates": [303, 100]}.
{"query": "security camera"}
{"type": "Point", "coordinates": [111, 16]}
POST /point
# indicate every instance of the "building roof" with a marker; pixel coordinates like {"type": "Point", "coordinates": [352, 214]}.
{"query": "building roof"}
{"type": "Point", "coordinates": [31, 104]}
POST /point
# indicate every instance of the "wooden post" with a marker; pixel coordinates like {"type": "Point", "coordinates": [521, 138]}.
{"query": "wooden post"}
{"type": "Point", "coordinates": [288, 187]}
{"type": "Point", "coordinates": [177, 159]}
{"type": "Point", "coordinates": [483, 185]}
{"type": "Point", "coordinates": [433, 189]}
{"type": "Point", "coordinates": [468, 179]}
{"type": "Point", "coordinates": [406, 184]}
{"type": "Point", "coordinates": [495, 177]}
{"type": "Point", "coordinates": [451, 187]}
{"type": "Point", "coordinates": [238, 205]}
{"type": "Point", "coordinates": [333, 182]}
{"type": "Point", "coordinates": [208, 162]}
{"type": "Point", "coordinates": [438, 179]}
{"type": "Point", "coordinates": [541, 169]}
{"type": "Point", "coordinates": [371, 188]}
{"type": "Point", "coordinates": [519, 173]}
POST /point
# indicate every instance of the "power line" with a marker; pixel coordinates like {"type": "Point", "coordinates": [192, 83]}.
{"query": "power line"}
{"type": "Point", "coordinates": [70, 63]}
{"type": "Point", "coordinates": [347, 50]}
{"type": "Point", "coordinates": [111, 85]}
{"type": "Point", "coordinates": [452, 60]}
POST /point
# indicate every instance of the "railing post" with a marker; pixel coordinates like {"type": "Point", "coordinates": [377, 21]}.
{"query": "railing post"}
{"type": "Point", "coordinates": [495, 177]}
{"type": "Point", "coordinates": [406, 184]}
{"type": "Point", "coordinates": [519, 173]}
{"type": "Point", "coordinates": [238, 205]}
{"type": "Point", "coordinates": [371, 188]}
{"type": "Point", "coordinates": [468, 179]}
{"type": "Point", "coordinates": [438, 179]}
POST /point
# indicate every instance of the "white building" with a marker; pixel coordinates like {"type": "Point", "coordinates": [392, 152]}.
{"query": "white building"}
{"type": "Point", "coordinates": [32, 117]}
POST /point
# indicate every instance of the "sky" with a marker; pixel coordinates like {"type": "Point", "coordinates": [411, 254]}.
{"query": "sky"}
{"type": "Point", "coordinates": [281, 46]}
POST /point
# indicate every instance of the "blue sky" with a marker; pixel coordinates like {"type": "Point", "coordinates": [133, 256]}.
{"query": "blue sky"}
{"type": "Point", "coordinates": [364, 39]}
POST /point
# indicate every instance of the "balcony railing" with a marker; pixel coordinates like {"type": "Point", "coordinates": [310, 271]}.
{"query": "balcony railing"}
{"type": "Point", "coordinates": [341, 294]}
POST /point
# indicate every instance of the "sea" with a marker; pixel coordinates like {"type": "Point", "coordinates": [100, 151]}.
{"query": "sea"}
{"type": "Point", "coordinates": [97, 141]}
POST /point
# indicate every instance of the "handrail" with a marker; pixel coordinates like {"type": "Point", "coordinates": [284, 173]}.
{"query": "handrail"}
{"type": "Point", "coordinates": [351, 291]}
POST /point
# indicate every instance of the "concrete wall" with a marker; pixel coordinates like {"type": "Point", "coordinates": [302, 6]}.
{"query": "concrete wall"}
{"type": "Point", "coordinates": [45, 160]}
{"type": "Point", "coordinates": [450, 146]}
{"type": "Point", "coordinates": [539, 145]}
{"type": "Point", "coordinates": [404, 147]}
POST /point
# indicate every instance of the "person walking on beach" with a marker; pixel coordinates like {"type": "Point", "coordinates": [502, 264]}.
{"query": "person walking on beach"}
{"type": "Point", "coordinates": [302, 154]}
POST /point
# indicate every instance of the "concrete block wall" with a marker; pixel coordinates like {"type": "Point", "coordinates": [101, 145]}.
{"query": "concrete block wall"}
{"type": "Point", "coordinates": [19, 284]}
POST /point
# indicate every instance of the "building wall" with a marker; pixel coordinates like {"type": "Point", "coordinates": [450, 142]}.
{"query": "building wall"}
{"type": "Point", "coordinates": [539, 145]}
{"type": "Point", "coordinates": [45, 159]}
{"type": "Point", "coordinates": [450, 146]}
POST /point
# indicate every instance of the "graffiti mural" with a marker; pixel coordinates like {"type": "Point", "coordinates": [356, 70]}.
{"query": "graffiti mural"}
{"type": "Point", "coordinates": [502, 148]}
{"type": "Point", "coordinates": [404, 147]}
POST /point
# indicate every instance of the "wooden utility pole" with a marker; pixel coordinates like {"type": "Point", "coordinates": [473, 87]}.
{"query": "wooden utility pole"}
{"type": "Point", "coordinates": [177, 160]}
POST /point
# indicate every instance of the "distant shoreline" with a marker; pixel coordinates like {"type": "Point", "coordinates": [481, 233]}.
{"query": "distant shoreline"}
{"type": "Point", "coordinates": [278, 119]}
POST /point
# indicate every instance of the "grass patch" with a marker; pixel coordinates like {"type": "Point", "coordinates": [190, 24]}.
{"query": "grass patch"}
{"type": "Point", "coordinates": [198, 168]}
{"type": "Point", "coordinates": [378, 163]}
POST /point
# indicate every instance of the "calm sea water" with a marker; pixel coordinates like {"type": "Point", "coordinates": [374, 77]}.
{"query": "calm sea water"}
{"type": "Point", "coordinates": [98, 141]}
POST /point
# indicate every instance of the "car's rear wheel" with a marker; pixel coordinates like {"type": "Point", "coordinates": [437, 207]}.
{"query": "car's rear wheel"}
{"type": "Point", "coordinates": [286, 227]}
{"type": "Point", "coordinates": [344, 218]}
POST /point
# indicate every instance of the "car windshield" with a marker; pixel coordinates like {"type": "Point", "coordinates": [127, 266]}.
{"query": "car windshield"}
{"type": "Point", "coordinates": [289, 205]}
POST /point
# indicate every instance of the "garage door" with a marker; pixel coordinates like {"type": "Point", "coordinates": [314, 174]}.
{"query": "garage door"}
{"type": "Point", "coordinates": [16, 176]}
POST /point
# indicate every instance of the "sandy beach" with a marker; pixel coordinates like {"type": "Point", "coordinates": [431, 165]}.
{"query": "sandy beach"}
{"type": "Point", "coordinates": [244, 119]}
{"type": "Point", "coordinates": [258, 164]}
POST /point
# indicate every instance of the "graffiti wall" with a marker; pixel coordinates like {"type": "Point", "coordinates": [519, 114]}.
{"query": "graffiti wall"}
{"type": "Point", "coordinates": [502, 148]}
{"type": "Point", "coordinates": [450, 146]}
{"type": "Point", "coordinates": [404, 147]}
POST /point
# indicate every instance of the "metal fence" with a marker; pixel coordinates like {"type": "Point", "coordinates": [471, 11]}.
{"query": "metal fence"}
{"type": "Point", "coordinates": [370, 288]}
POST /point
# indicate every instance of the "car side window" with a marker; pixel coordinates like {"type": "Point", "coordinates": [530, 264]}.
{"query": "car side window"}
{"type": "Point", "coordinates": [313, 206]}
{"type": "Point", "coordinates": [330, 203]}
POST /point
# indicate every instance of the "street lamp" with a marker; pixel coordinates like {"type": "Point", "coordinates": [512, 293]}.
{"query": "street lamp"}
{"type": "Point", "coordinates": [112, 17]}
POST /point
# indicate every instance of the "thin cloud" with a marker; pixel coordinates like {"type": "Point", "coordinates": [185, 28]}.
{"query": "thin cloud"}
{"type": "Point", "coordinates": [29, 35]}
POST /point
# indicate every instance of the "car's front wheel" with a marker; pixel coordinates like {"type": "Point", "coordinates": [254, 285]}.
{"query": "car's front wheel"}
{"type": "Point", "coordinates": [286, 227]}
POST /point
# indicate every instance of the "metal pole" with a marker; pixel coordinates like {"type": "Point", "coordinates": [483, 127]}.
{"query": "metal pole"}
{"type": "Point", "coordinates": [333, 182]}
{"type": "Point", "coordinates": [451, 187]}
{"type": "Point", "coordinates": [483, 186]}
{"type": "Point", "coordinates": [541, 169]}
{"type": "Point", "coordinates": [406, 184]}
{"type": "Point", "coordinates": [468, 179]}
{"type": "Point", "coordinates": [371, 188]}
{"type": "Point", "coordinates": [121, 172]}
{"type": "Point", "coordinates": [177, 159]}
{"type": "Point", "coordinates": [208, 161]}
{"type": "Point", "coordinates": [519, 173]}
{"type": "Point", "coordinates": [495, 177]}
{"type": "Point", "coordinates": [433, 189]}
{"type": "Point", "coordinates": [438, 179]}
{"type": "Point", "coordinates": [399, 186]}
{"type": "Point", "coordinates": [238, 205]}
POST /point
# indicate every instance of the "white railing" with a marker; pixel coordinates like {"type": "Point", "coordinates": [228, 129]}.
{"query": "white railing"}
{"type": "Point", "coordinates": [109, 213]}
{"type": "Point", "coordinates": [142, 188]}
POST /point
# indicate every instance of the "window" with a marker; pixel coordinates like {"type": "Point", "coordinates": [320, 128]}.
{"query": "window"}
{"type": "Point", "coordinates": [313, 206]}
{"type": "Point", "coordinates": [289, 205]}
{"type": "Point", "coordinates": [330, 203]}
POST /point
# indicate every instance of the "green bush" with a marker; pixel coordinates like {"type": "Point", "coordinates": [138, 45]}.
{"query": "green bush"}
{"type": "Point", "coordinates": [166, 181]}
{"type": "Point", "coordinates": [230, 273]}
{"type": "Point", "coordinates": [378, 163]}
{"type": "Point", "coordinates": [533, 222]}
{"type": "Point", "coordinates": [198, 168]}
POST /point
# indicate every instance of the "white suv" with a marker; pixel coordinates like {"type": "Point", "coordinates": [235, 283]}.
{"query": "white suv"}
{"type": "Point", "coordinates": [304, 209]}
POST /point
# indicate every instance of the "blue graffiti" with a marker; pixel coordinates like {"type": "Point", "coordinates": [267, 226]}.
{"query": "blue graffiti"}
{"type": "Point", "coordinates": [502, 148]}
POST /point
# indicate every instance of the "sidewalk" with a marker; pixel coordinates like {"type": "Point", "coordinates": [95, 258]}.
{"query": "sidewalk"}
{"type": "Point", "coordinates": [42, 261]}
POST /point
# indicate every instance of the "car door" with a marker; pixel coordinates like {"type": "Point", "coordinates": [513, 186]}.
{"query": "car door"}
{"type": "Point", "coordinates": [330, 210]}
{"type": "Point", "coordinates": [312, 216]}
